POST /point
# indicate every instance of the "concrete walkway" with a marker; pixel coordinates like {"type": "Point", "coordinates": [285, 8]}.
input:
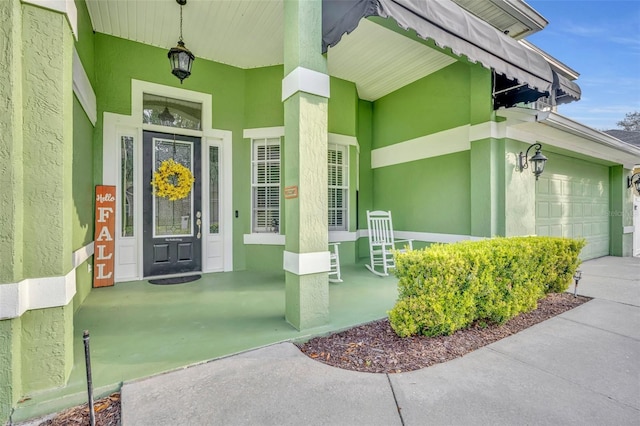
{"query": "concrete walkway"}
{"type": "Point", "coordinates": [581, 367]}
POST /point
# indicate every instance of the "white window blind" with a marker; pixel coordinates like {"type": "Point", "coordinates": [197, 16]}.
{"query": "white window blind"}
{"type": "Point", "coordinates": [265, 184]}
{"type": "Point", "coordinates": [338, 186]}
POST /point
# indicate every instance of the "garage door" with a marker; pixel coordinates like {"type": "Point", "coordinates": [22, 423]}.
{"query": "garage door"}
{"type": "Point", "coordinates": [572, 200]}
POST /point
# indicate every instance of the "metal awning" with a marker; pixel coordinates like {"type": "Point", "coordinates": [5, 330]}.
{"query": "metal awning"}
{"type": "Point", "coordinates": [450, 26]}
{"type": "Point", "coordinates": [565, 90]}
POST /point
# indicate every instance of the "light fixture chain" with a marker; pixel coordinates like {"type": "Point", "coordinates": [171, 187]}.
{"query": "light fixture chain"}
{"type": "Point", "coordinates": [181, 23]}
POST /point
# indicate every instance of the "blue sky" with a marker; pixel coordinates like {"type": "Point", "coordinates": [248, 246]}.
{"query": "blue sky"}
{"type": "Point", "coordinates": [600, 39]}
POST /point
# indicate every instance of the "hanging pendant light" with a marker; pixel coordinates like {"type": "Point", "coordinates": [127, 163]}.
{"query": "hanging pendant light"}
{"type": "Point", "coordinates": [166, 118]}
{"type": "Point", "coordinates": [180, 57]}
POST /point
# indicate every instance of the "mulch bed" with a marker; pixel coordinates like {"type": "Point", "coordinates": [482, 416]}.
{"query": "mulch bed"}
{"type": "Point", "coordinates": [372, 348]}
{"type": "Point", "coordinates": [107, 411]}
{"type": "Point", "coordinates": [375, 348]}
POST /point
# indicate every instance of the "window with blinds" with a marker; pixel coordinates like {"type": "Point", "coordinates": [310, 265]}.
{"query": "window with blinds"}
{"type": "Point", "coordinates": [338, 186]}
{"type": "Point", "coordinates": [265, 185]}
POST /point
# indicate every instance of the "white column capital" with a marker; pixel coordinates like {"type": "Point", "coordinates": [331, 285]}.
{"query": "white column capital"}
{"type": "Point", "coordinates": [305, 80]}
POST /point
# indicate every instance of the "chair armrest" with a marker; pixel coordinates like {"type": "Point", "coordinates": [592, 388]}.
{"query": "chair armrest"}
{"type": "Point", "coordinates": [409, 241]}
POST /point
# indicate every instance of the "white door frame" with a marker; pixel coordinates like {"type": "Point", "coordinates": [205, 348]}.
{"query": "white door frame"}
{"type": "Point", "coordinates": [217, 249]}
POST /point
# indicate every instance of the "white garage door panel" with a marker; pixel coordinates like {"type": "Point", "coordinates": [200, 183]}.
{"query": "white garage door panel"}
{"type": "Point", "coordinates": [572, 200]}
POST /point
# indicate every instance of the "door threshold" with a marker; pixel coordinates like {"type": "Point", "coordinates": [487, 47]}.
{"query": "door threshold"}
{"type": "Point", "coordinates": [184, 274]}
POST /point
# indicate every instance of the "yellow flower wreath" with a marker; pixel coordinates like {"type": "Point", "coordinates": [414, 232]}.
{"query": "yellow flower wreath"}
{"type": "Point", "coordinates": [163, 184]}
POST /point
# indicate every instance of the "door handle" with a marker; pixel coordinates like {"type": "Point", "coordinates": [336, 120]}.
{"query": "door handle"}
{"type": "Point", "coordinates": [199, 223]}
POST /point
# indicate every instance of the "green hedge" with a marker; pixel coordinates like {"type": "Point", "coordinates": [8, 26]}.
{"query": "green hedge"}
{"type": "Point", "coordinates": [444, 288]}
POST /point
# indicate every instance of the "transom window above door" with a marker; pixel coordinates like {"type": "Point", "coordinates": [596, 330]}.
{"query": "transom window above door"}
{"type": "Point", "coordinates": [170, 112]}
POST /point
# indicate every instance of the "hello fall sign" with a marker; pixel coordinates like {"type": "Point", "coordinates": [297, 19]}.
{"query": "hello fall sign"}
{"type": "Point", "coordinates": [104, 243]}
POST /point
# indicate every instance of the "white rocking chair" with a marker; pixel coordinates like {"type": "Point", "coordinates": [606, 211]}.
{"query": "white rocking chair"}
{"type": "Point", "coordinates": [382, 243]}
{"type": "Point", "coordinates": [334, 256]}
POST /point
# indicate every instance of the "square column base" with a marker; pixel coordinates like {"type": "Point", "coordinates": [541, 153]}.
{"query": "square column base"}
{"type": "Point", "coordinates": [307, 300]}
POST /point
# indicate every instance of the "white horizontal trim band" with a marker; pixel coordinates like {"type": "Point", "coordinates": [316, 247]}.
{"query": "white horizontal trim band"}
{"type": "Point", "coordinates": [427, 237]}
{"type": "Point", "coordinates": [434, 238]}
{"type": "Point", "coordinates": [39, 293]}
{"type": "Point", "coordinates": [265, 239]}
{"type": "Point", "coordinates": [342, 236]}
{"type": "Point", "coordinates": [82, 254]}
{"type": "Point", "coordinates": [433, 145]}
{"type": "Point", "coordinates": [83, 90]}
{"type": "Point", "coordinates": [628, 230]}
{"type": "Point", "coordinates": [36, 293]}
{"type": "Point", "coordinates": [263, 132]}
{"type": "Point", "coordinates": [305, 80]}
{"type": "Point", "coordinates": [306, 263]}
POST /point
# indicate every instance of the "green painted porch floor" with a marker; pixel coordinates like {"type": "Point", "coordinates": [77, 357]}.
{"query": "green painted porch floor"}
{"type": "Point", "coordinates": [138, 329]}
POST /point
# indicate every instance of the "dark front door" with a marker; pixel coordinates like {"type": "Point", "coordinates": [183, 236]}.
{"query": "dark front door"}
{"type": "Point", "coordinates": [172, 229]}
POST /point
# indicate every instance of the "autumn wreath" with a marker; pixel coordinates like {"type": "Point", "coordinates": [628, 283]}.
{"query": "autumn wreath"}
{"type": "Point", "coordinates": [172, 180]}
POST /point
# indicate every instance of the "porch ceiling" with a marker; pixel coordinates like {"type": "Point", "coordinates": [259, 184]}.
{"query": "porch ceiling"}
{"type": "Point", "coordinates": [249, 34]}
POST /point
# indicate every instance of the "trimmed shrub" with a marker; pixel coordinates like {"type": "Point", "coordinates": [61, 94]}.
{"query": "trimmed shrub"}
{"type": "Point", "coordinates": [444, 288]}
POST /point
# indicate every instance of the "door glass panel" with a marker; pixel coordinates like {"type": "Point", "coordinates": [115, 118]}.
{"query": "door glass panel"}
{"type": "Point", "coordinates": [214, 191]}
{"type": "Point", "coordinates": [126, 184]}
{"type": "Point", "coordinates": [171, 112]}
{"type": "Point", "coordinates": [172, 218]}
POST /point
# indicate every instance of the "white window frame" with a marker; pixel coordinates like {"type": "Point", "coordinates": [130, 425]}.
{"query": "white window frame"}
{"type": "Point", "coordinates": [343, 170]}
{"type": "Point", "coordinates": [255, 185]}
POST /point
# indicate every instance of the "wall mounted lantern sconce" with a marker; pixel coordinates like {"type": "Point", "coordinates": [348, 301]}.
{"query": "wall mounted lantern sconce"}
{"type": "Point", "coordinates": [631, 182]}
{"type": "Point", "coordinates": [538, 160]}
{"type": "Point", "coordinates": [180, 57]}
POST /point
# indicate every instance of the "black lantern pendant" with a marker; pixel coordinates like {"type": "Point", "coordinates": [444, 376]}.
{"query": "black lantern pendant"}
{"type": "Point", "coordinates": [537, 159]}
{"type": "Point", "coordinates": [166, 118]}
{"type": "Point", "coordinates": [180, 57]}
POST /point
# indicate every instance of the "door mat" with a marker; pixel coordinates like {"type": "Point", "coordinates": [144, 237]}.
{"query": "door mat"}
{"type": "Point", "coordinates": [175, 280]}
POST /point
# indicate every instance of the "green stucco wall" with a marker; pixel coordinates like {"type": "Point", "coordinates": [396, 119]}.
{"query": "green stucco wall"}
{"type": "Point", "coordinates": [47, 348]}
{"type": "Point", "coordinates": [433, 194]}
{"type": "Point", "coordinates": [10, 373]}
{"type": "Point", "coordinates": [430, 195]}
{"type": "Point", "coordinates": [432, 104]}
{"type": "Point", "coordinates": [263, 93]}
{"type": "Point", "coordinates": [487, 200]}
{"type": "Point", "coordinates": [48, 115]}
{"type": "Point", "coordinates": [343, 107]}
{"type": "Point", "coordinates": [11, 195]}
{"type": "Point", "coordinates": [11, 137]}
{"type": "Point", "coordinates": [620, 212]}
{"type": "Point", "coordinates": [518, 196]}
{"type": "Point", "coordinates": [82, 172]}
{"type": "Point", "coordinates": [262, 257]}
{"type": "Point", "coordinates": [365, 190]}
{"type": "Point", "coordinates": [83, 191]}
{"type": "Point", "coordinates": [36, 233]}
{"type": "Point", "coordinates": [85, 39]}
